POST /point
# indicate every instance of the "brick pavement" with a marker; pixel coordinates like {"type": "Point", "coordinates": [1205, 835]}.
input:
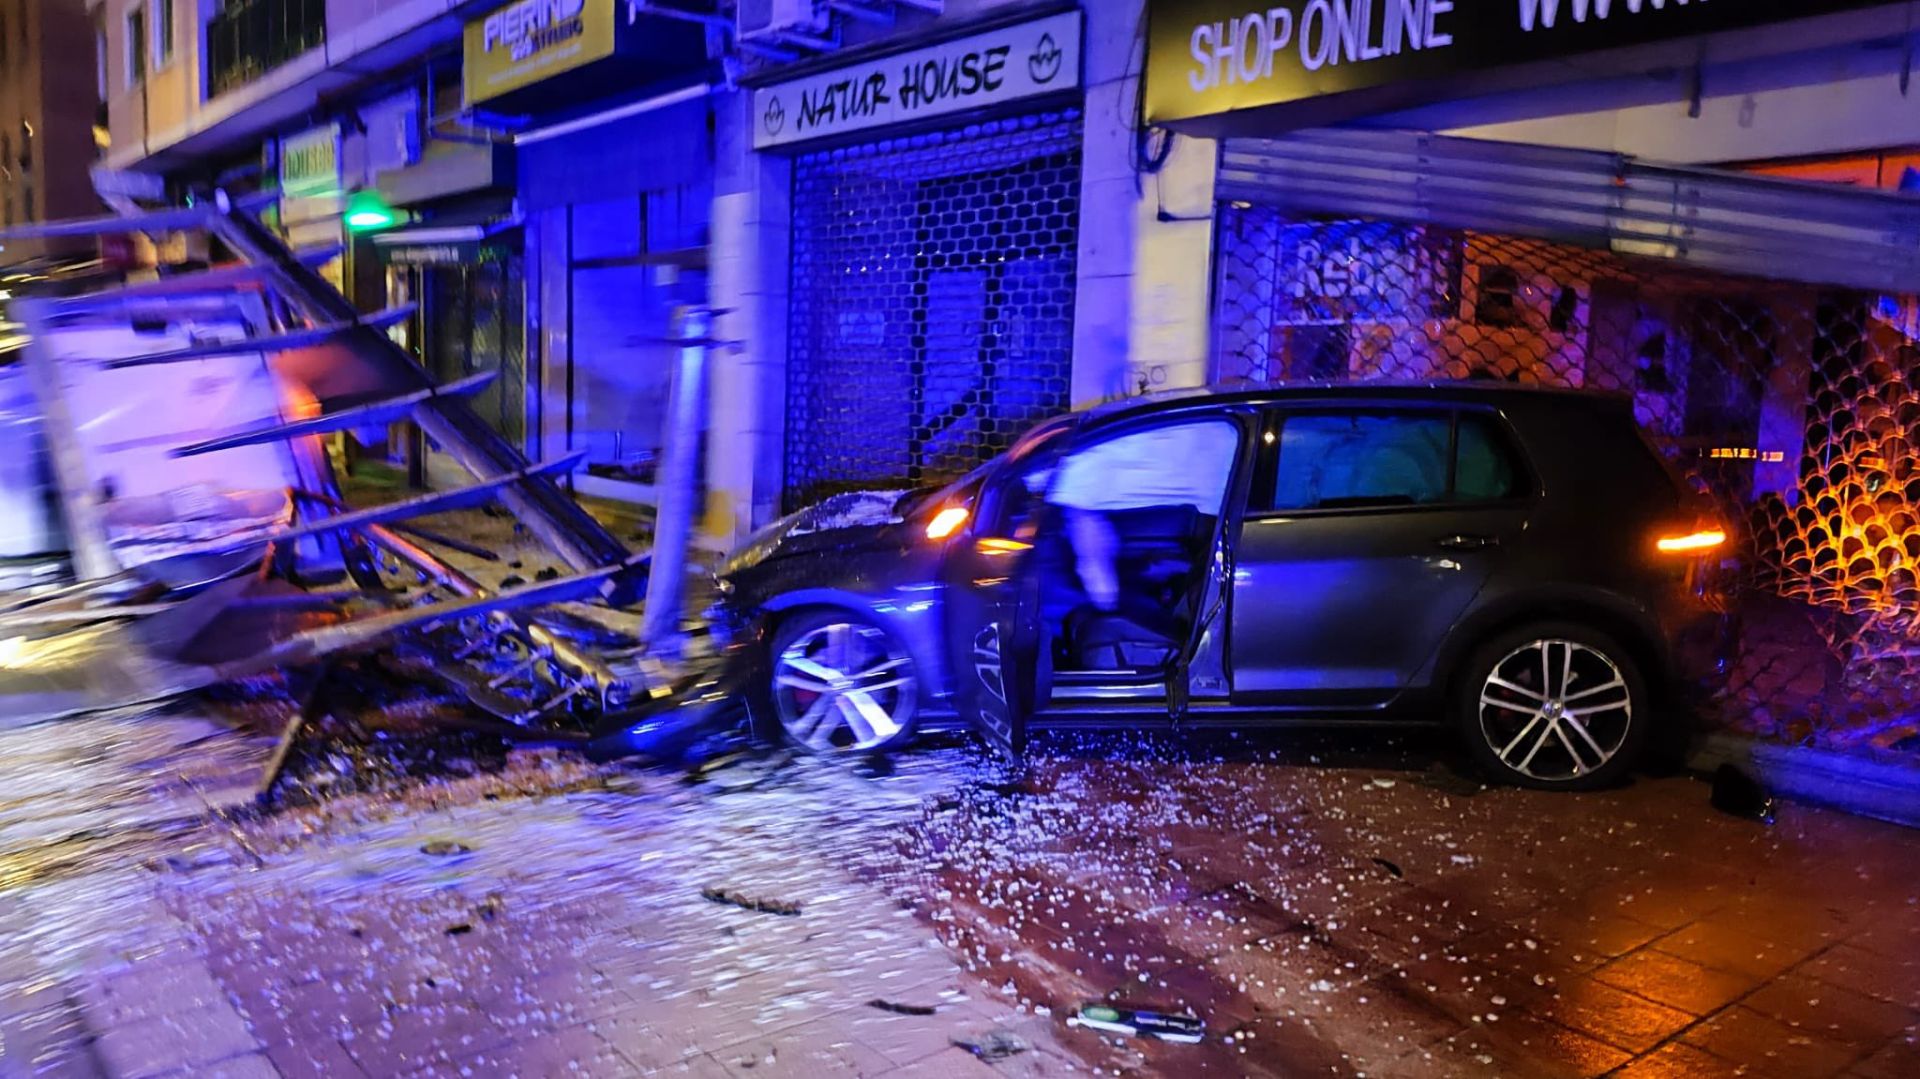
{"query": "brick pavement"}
{"type": "Point", "coordinates": [1340, 916]}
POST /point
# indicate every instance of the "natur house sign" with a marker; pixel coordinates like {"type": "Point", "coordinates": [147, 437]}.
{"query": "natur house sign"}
{"type": "Point", "coordinates": [990, 68]}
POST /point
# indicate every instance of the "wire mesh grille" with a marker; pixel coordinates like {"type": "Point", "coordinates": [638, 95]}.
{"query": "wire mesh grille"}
{"type": "Point", "coordinates": [1794, 406]}
{"type": "Point", "coordinates": [932, 301]}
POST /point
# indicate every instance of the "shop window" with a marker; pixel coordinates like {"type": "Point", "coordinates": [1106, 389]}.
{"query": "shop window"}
{"type": "Point", "coordinates": [1565, 311]}
{"type": "Point", "coordinates": [1499, 300]}
{"type": "Point", "coordinates": [136, 45]}
{"type": "Point", "coordinates": [162, 32]}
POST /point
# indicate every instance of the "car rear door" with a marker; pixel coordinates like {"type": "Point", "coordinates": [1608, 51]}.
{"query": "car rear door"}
{"type": "Point", "coordinates": [1368, 533]}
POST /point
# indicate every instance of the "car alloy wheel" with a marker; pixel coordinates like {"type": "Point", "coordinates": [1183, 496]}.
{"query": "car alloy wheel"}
{"type": "Point", "coordinates": [843, 686]}
{"type": "Point", "coordinates": [1556, 711]}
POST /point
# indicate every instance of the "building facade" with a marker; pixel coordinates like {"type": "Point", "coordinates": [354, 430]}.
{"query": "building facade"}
{"type": "Point", "coordinates": [47, 115]}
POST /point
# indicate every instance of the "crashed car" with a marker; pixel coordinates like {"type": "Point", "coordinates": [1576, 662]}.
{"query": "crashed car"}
{"type": "Point", "coordinates": [1517, 562]}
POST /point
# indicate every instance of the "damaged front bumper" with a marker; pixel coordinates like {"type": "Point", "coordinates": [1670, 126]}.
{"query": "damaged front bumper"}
{"type": "Point", "coordinates": [711, 697]}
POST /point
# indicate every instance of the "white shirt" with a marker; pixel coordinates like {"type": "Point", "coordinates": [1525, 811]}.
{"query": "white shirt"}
{"type": "Point", "coordinates": [1181, 465]}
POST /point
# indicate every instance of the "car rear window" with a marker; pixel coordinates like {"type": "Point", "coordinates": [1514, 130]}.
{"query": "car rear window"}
{"type": "Point", "coordinates": [1376, 458]}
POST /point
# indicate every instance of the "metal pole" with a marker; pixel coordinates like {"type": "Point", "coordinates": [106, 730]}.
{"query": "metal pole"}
{"type": "Point", "coordinates": [677, 485]}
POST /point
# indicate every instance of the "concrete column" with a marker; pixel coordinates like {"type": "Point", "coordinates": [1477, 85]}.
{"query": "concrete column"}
{"type": "Point", "coordinates": [1146, 239]}
{"type": "Point", "coordinates": [748, 286]}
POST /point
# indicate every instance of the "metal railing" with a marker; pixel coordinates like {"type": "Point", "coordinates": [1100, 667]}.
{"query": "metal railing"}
{"type": "Point", "coordinates": [249, 38]}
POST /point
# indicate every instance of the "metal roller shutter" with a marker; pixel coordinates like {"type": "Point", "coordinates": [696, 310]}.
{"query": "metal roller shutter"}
{"type": "Point", "coordinates": [1713, 219]}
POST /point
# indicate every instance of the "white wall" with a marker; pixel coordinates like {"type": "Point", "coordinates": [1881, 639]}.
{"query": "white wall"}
{"type": "Point", "coordinates": [1141, 314]}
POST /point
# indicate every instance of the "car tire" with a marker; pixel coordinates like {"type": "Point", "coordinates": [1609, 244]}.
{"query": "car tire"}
{"type": "Point", "coordinates": [838, 683]}
{"type": "Point", "coordinates": [1553, 706]}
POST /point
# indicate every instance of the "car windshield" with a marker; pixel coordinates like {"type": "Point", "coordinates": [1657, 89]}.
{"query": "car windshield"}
{"type": "Point", "coordinates": [958, 493]}
{"type": "Point", "coordinates": [961, 492]}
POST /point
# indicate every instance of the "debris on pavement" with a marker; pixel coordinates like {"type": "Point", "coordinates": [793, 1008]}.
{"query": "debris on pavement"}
{"type": "Point", "coordinates": [1738, 794]}
{"type": "Point", "coordinates": [1390, 867]}
{"type": "Point", "coordinates": [444, 848]}
{"type": "Point", "coordinates": [746, 902]}
{"type": "Point", "coordinates": [994, 1045]}
{"type": "Point", "coordinates": [1140, 1023]}
{"type": "Point", "coordinates": [898, 1008]}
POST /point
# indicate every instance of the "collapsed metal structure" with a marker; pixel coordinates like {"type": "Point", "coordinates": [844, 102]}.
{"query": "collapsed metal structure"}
{"type": "Point", "coordinates": [178, 422]}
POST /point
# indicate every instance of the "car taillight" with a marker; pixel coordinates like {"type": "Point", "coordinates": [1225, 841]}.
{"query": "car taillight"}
{"type": "Point", "coordinates": [946, 522]}
{"type": "Point", "coordinates": [1702, 539]}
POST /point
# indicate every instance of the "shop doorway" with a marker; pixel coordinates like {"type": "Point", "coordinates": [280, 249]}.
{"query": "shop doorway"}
{"type": "Point", "coordinates": [932, 301]}
{"type": "Point", "coordinates": [470, 319]}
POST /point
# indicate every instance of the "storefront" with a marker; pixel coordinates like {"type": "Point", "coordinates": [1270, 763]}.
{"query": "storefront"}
{"type": "Point", "coordinates": [614, 189]}
{"type": "Point", "coordinates": [1764, 329]}
{"type": "Point", "coordinates": [935, 233]}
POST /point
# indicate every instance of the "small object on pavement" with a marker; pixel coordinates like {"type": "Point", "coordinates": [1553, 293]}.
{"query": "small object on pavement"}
{"type": "Point", "coordinates": [1739, 794]}
{"type": "Point", "coordinates": [444, 848]}
{"type": "Point", "coordinates": [1447, 781]}
{"type": "Point", "coordinates": [747, 902]}
{"type": "Point", "coordinates": [547, 574]}
{"type": "Point", "coordinates": [1389, 867]}
{"type": "Point", "coordinates": [460, 930]}
{"type": "Point", "coordinates": [994, 1045]}
{"type": "Point", "coordinates": [1140, 1023]}
{"type": "Point", "coordinates": [899, 1009]}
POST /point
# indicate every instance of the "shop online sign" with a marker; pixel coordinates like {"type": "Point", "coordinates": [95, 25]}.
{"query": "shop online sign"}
{"type": "Point", "coordinates": [1213, 56]}
{"type": "Point", "coordinates": [525, 42]}
{"type": "Point", "coordinates": [991, 68]}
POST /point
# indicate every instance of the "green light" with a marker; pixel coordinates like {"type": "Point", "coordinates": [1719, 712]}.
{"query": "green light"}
{"type": "Point", "coordinates": [367, 211]}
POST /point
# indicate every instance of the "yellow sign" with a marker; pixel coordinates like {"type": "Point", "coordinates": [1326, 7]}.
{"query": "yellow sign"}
{"type": "Point", "coordinates": [530, 40]}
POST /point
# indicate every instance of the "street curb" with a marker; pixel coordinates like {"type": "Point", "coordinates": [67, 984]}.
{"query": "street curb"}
{"type": "Point", "coordinates": [1848, 782]}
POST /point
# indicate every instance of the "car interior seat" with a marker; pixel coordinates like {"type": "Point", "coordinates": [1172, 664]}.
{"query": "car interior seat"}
{"type": "Point", "coordinates": [1161, 552]}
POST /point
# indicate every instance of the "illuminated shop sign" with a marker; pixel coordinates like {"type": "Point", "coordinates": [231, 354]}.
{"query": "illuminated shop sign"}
{"type": "Point", "coordinates": [990, 68]}
{"type": "Point", "coordinates": [1206, 57]}
{"type": "Point", "coordinates": [525, 42]}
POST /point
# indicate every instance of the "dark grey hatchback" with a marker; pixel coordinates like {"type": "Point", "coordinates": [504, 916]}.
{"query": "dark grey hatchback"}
{"type": "Point", "coordinates": [1519, 562]}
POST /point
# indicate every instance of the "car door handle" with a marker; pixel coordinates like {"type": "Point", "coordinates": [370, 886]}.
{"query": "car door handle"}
{"type": "Point", "coordinates": [1466, 543]}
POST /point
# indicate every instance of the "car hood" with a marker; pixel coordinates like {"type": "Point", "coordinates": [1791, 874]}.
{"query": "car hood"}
{"type": "Point", "coordinates": [852, 519]}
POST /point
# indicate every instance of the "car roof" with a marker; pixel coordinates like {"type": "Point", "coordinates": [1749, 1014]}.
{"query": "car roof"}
{"type": "Point", "coordinates": [1462, 391]}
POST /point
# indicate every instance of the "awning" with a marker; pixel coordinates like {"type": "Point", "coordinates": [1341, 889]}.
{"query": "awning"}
{"type": "Point", "coordinates": [444, 242]}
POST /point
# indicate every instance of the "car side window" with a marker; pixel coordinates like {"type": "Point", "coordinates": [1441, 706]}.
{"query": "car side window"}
{"type": "Point", "coordinates": [1485, 468]}
{"type": "Point", "coordinates": [1354, 460]}
{"type": "Point", "coordinates": [1185, 463]}
{"type": "Point", "coordinates": [1013, 494]}
{"type": "Point", "coordinates": [1368, 459]}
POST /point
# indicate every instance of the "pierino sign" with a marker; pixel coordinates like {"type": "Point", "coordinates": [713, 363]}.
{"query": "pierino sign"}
{"type": "Point", "coordinates": [989, 68]}
{"type": "Point", "coordinates": [1206, 57]}
{"type": "Point", "coordinates": [529, 40]}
